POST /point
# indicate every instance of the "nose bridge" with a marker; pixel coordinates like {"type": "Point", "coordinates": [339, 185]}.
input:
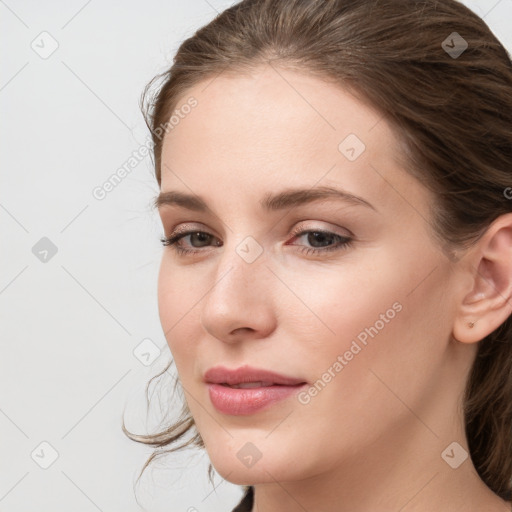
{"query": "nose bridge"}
{"type": "Point", "coordinates": [239, 297]}
{"type": "Point", "coordinates": [241, 266]}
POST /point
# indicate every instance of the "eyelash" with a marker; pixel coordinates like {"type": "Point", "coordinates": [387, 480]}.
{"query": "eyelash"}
{"type": "Point", "coordinates": [345, 242]}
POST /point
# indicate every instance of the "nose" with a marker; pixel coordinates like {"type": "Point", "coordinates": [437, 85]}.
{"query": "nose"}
{"type": "Point", "coordinates": [240, 303]}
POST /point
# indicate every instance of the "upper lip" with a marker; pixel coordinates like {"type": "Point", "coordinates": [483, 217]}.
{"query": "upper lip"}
{"type": "Point", "coordinates": [244, 374]}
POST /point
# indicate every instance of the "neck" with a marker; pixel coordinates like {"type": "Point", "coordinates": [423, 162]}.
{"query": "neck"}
{"type": "Point", "coordinates": [404, 471]}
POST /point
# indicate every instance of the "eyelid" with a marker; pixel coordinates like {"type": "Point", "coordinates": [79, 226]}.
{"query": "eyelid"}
{"type": "Point", "coordinates": [303, 226]}
{"type": "Point", "coordinates": [300, 227]}
{"type": "Point", "coordinates": [186, 227]}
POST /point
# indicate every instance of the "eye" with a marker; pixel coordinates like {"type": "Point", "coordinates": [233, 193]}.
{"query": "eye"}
{"type": "Point", "coordinates": [175, 240]}
{"type": "Point", "coordinates": [321, 241]}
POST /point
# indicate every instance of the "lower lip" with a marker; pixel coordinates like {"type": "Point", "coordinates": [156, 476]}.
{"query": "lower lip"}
{"type": "Point", "coordinates": [243, 401]}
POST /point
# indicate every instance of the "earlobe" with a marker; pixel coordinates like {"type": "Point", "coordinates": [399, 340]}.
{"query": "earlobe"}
{"type": "Point", "coordinates": [488, 303]}
{"type": "Point", "coordinates": [470, 332]}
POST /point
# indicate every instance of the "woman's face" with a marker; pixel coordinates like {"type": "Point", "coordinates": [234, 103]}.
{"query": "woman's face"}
{"type": "Point", "coordinates": [347, 295]}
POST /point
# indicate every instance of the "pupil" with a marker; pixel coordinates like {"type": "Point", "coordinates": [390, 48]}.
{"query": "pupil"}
{"type": "Point", "coordinates": [319, 237]}
{"type": "Point", "coordinates": [204, 236]}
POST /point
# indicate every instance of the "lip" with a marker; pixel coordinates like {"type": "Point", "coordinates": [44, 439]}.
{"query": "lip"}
{"type": "Point", "coordinates": [244, 374]}
{"type": "Point", "coordinates": [243, 401]}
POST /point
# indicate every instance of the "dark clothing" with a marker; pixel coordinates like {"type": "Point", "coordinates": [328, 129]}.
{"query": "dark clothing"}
{"type": "Point", "coordinates": [246, 503]}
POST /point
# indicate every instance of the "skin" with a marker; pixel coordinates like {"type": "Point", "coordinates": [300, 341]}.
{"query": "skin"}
{"type": "Point", "coordinates": [372, 439]}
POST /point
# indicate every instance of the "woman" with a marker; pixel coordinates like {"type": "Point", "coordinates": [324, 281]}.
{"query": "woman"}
{"type": "Point", "coordinates": [336, 282]}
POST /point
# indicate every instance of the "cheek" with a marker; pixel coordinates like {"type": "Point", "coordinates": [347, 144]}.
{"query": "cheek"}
{"type": "Point", "coordinates": [396, 322]}
{"type": "Point", "coordinates": [389, 341]}
{"type": "Point", "coordinates": [178, 303]}
{"type": "Point", "coordinates": [350, 301]}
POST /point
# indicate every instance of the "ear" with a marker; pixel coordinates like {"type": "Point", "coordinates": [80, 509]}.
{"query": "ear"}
{"type": "Point", "coordinates": [488, 300]}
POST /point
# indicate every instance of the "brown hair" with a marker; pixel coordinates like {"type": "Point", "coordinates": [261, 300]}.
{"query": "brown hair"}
{"type": "Point", "coordinates": [452, 114]}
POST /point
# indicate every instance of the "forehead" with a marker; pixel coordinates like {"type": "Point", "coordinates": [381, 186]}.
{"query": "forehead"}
{"type": "Point", "coordinates": [255, 132]}
{"type": "Point", "coordinates": [270, 109]}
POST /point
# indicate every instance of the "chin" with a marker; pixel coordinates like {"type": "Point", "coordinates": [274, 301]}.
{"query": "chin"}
{"type": "Point", "coordinates": [242, 463]}
{"type": "Point", "coordinates": [258, 474]}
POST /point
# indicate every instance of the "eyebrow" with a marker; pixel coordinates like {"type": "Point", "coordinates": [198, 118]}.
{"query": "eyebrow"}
{"type": "Point", "coordinates": [285, 199]}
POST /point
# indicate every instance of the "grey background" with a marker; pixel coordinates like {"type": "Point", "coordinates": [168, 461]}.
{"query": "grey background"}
{"type": "Point", "coordinates": [72, 319]}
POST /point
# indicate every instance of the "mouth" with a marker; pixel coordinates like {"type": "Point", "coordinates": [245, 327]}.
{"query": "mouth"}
{"type": "Point", "coordinates": [247, 376]}
{"type": "Point", "coordinates": [248, 385]}
{"type": "Point", "coordinates": [247, 390]}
